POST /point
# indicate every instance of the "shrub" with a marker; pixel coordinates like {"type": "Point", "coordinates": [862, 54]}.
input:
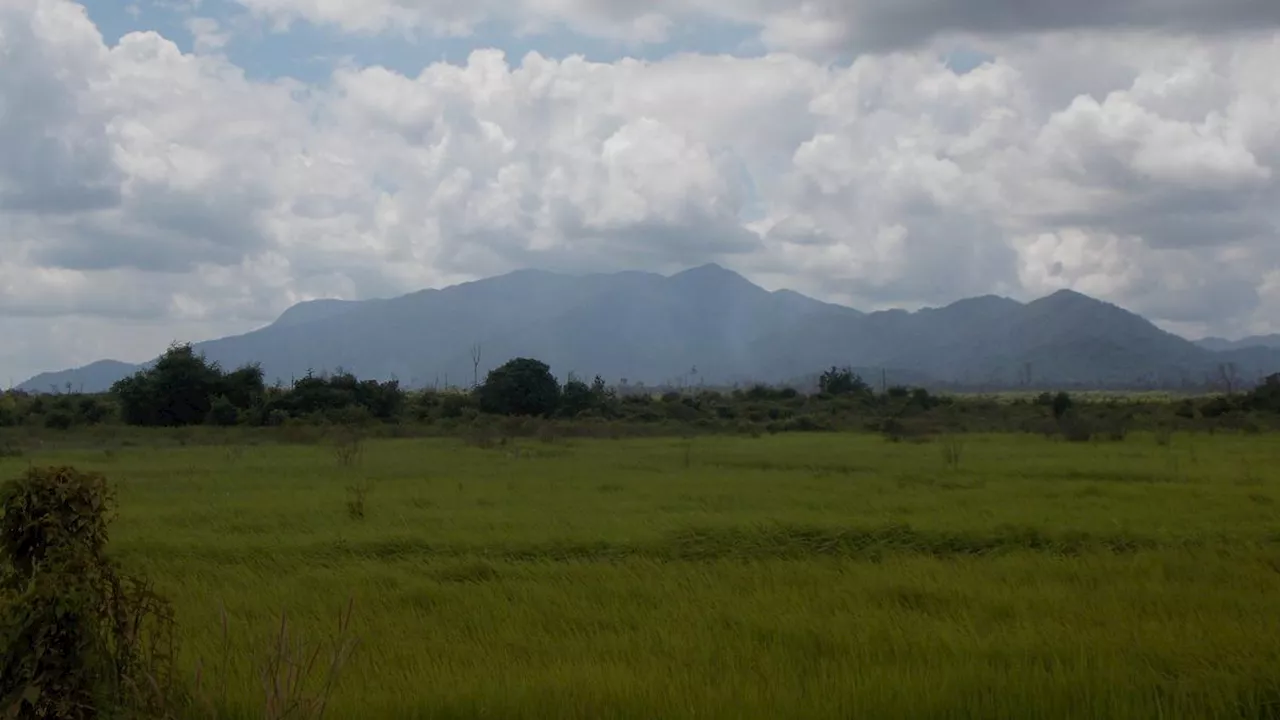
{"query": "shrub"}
{"type": "Point", "coordinates": [59, 420]}
{"type": "Point", "coordinates": [1061, 405]}
{"type": "Point", "coordinates": [892, 429]}
{"type": "Point", "coordinates": [842, 381]}
{"type": "Point", "coordinates": [77, 640]}
{"type": "Point", "coordinates": [1075, 428]}
{"type": "Point", "coordinates": [222, 412]}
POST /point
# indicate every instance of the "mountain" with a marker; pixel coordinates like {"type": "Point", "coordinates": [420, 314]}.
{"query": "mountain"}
{"type": "Point", "coordinates": [93, 377]}
{"type": "Point", "coordinates": [311, 310]}
{"type": "Point", "coordinates": [1258, 341]}
{"type": "Point", "coordinates": [709, 324]}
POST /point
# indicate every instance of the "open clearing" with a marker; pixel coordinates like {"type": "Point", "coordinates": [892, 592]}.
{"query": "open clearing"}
{"type": "Point", "coordinates": [815, 576]}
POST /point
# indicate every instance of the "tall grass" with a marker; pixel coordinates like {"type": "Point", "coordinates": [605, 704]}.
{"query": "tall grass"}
{"type": "Point", "coordinates": [807, 575]}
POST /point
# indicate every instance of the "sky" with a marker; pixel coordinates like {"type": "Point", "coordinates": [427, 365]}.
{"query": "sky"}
{"type": "Point", "coordinates": [179, 170]}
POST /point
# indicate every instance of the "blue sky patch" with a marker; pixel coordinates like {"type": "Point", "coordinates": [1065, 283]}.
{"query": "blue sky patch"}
{"type": "Point", "coordinates": [308, 52]}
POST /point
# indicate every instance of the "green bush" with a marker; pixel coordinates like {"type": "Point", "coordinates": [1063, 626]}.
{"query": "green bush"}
{"type": "Point", "coordinates": [520, 387]}
{"type": "Point", "coordinates": [77, 640]}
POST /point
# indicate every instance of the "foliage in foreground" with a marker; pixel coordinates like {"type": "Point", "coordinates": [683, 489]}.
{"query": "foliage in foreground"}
{"type": "Point", "coordinates": [78, 639]}
{"type": "Point", "coordinates": [81, 640]}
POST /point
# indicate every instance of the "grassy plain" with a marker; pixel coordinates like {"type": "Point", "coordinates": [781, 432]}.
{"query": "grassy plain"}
{"type": "Point", "coordinates": [814, 576]}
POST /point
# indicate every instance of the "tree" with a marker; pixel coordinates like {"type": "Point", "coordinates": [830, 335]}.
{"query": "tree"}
{"type": "Point", "coordinates": [180, 389]}
{"type": "Point", "coordinates": [1265, 397]}
{"type": "Point", "coordinates": [1061, 404]}
{"type": "Point", "coordinates": [335, 396]}
{"type": "Point", "coordinates": [842, 381]}
{"type": "Point", "coordinates": [522, 386]}
{"type": "Point", "coordinates": [576, 398]}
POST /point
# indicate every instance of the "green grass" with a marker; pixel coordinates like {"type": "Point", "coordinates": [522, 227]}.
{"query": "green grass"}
{"type": "Point", "coordinates": [814, 576]}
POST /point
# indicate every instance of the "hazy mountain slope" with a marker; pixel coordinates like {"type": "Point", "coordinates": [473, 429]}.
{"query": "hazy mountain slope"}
{"type": "Point", "coordinates": [94, 377]}
{"type": "Point", "coordinates": [1257, 341]}
{"type": "Point", "coordinates": [412, 337]}
{"type": "Point", "coordinates": [708, 324]}
{"type": "Point", "coordinates": [311, 310]}
{"type": "Point", "coordinates": [1063, 339]}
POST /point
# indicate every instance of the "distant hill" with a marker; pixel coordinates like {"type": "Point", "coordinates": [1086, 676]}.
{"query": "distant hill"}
{"type": "Point", "coordinates": [94, 377]}
{"type": "Point", "coordinates": [1257, 341]}
{"type": "Point", "coordinates": [711, 325]}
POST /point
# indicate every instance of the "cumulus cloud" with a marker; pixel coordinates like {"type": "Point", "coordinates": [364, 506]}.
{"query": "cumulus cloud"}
{"type": "Point", "coordinates": [145, 187]}
{"type": "Point", "coordinates": [808, 25]}
{"type": "Point", "coordinates": [57, 156]}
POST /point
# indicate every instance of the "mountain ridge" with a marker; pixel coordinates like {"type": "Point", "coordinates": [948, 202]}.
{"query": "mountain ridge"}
{"type": "Point", "coordinates": [708, 324]}
{"type": "Point", "coordinates": [1218, 344]}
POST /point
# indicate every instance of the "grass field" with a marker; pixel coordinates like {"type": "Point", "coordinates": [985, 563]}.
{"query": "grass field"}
{"type": "Point", "coordinates": [807, 576]}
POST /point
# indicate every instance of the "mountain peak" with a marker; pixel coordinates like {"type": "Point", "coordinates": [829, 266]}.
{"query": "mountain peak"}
{"type": "Point", "coordinates": [712, 276]}
{"type": "Point", "coordinates": [993, 302]}
{"type": "Point", "coordinates": [1068, 298]}
{"type": "Point", "coordinates": [707, 270]}
{"type": "Point", "coordinates": [1069, 294]}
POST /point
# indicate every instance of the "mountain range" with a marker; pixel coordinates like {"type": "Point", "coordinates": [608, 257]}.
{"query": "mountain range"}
{"type": "Point", "coordinates": [1220, 344]}
{"type": "Point", "coordinates": [710, 325]}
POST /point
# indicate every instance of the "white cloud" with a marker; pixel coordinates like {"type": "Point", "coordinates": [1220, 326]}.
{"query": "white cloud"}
{"type": "Point", "coordinates": [147, 188]}
{"type": "Point", "coordinates": [57, 155]}
{"type": "Point", "coordinates": [208, 34]}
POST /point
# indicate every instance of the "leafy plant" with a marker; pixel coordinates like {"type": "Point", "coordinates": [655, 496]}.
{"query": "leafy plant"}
{"type": "Point", "coordinates": [77, 639]}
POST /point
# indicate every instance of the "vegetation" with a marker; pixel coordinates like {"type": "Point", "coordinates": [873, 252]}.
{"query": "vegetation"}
{"type": "Point", "coordinates": [807, 574]}
{"type": "Point", "coordinates": [82, 640]}
{"type": "Point", "coordinates": [77, 638]}
{"type": "Point", "coordinates": [184, 389]}
{"type": "Point", "coordinates": [520, 387]}
{"type": "Point", "coordinates": [538, 549]}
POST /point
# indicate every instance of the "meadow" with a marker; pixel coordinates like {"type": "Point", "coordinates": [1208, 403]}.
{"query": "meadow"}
{"type": "Point", "coordinates": [821, 575]}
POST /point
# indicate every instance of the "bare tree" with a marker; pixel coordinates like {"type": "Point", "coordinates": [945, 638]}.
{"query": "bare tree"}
{"type": "Point", "coordinates": [475, 365]}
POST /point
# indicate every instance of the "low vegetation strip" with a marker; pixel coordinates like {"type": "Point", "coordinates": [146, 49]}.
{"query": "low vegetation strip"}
{"type": "Point", "coordinates": [523, 397]}
{"type": "Point", "coordinates": [738, 543]}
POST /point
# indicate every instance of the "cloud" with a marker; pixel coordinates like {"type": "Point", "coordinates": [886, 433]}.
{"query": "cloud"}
{"type": "Point", "coordinates": [145, 187]}
{"type": "Point", "coordinates": [57, 156]}
{"type": "Point", "coordinates": [873, 25]}
{"type": "Point", "coordinates": [800, 25]}
{"type": "Point", "coordinates": [207, 34]}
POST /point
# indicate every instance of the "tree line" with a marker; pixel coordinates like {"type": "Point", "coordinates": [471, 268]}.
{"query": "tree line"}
{"type": "Point", "coordinates": [184, 388]}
